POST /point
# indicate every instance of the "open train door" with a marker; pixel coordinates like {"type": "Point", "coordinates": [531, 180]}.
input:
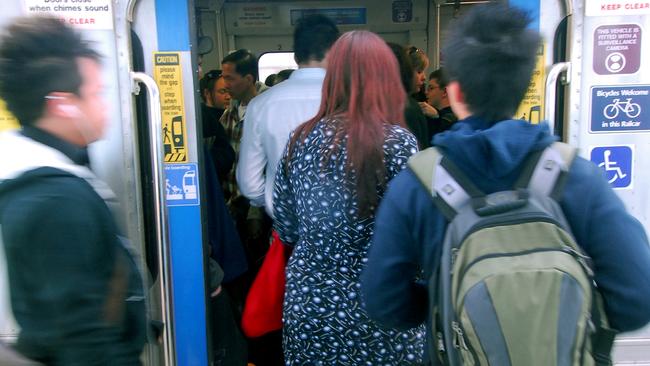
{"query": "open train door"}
{"type": "Point", "coordinates": [598, 100]}
{"type": "Point", "coordinates": [149, 156]}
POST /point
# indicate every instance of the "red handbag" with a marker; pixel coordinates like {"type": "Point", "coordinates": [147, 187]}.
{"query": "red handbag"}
{"type": "Point", "coordinates": [263, 308]}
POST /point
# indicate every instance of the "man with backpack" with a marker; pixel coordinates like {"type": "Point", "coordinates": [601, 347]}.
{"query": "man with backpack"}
{"type": "Point", "coordinates": [513, 249]}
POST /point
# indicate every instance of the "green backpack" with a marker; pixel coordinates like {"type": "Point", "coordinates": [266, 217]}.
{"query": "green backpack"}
{"type": "Point", "coordinates": [513, 287]}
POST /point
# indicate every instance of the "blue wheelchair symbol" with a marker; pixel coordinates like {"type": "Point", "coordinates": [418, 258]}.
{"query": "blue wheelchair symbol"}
{"type": "Point", "coordinates": [616, 162]}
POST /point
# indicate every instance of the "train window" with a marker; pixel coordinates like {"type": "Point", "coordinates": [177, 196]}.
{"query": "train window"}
{"type": "Point", "coordinates": [274, 62]}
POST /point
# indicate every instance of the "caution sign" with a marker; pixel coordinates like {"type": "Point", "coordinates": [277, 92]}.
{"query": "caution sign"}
{"type": "Point", "coordinates": [168, 76]}
{"type": "Point", "coordinates": [531, 106]}
{"type": "Point", "coordinates": [7, 120]}
{"type": "Point", "coordinates": [83, 14]}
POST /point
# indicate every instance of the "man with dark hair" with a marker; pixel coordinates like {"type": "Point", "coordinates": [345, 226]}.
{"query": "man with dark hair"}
{"type": "Point", "coordinates": [273, 115]}
{"type": "Point", "coordinates": [75, 289]}
{"type": "Point", "coordinates": [439, 115]}
{"type": "Point", "coordinates": [491, 149]}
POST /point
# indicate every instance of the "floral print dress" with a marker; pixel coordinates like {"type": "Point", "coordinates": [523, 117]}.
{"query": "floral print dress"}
{"type": "Point", "coordinates": [315, 209]}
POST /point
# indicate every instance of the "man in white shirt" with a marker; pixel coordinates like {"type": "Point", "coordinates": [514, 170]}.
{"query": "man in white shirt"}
{"type": "Point", "coordinates": [272, 116]}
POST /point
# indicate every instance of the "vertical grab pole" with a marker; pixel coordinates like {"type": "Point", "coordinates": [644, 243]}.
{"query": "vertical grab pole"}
{"type": "Point", "coordinates": [549, 98]}
{"type": "Point", "coordinates": [162, 224]}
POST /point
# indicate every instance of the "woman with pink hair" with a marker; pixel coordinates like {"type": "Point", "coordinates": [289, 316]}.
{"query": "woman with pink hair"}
{"type": "Point", "coordinates": [331, 178]}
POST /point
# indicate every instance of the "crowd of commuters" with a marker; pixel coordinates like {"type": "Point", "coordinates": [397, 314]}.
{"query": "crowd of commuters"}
{"type": "Point", "coordinates": [318, 154]}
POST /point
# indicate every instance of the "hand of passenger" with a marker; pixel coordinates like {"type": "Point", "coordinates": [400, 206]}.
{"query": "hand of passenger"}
{"type": "Point", "coordinates": [428, 110]}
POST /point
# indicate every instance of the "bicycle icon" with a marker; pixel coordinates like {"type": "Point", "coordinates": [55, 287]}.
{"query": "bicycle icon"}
{"type": "Point", "coordinates": [611, 166]}
{"type": "Point", "coordinates": [628, 107]}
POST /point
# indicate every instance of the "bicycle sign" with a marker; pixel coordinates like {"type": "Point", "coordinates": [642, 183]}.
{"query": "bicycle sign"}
{"type": "Point", "coordinates": [616, 162]}
{"type": "Point", "coordinates": [620, 108]}
{"type": "Point", "coordinates": [631, 109]}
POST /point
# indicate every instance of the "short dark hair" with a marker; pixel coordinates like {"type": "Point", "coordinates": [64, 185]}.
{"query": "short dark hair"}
{"type": "Point", "coordinates": [245, 62]}
{"type": "Point", "coordinates": [491, 52]}
{"type": "Point", "coordinates": [440, 77]}
{"type": "Point", "coordinates": [405, 67]}
{"type": "Point", "coordinates": [209, 79]}
{"type": "Point", "coordinates": [38, 56]}
{"type": "Point", "coordinates": [313, 37]}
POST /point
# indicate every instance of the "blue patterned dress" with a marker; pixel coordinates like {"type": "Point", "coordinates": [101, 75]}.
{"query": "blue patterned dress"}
{"type": "Point", "coordinates": [315, 208]}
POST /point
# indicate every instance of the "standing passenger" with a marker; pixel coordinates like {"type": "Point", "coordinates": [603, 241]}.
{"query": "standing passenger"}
{"type": "Point", "coordinates": [328, 184]}
{"type": "Point", "coordinates": [273, 115]}
{"type": "Point", "coordinates": [75, 290]}
{"type": "Point", "coordinates": [437, 109]}
{"type": "Point", "coordinates": [491, 148]}
{"type": "Point", "coordinates": [415, 119]}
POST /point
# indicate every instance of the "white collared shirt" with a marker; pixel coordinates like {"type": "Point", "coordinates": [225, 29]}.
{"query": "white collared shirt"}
{"type": "Point", "coordinates": [270, 118]}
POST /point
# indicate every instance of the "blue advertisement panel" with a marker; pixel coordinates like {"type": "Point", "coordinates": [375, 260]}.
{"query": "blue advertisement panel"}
{"type": "Point", "coordinates": [620, 108]}
{"type": "Point", "coordinates": [341, 16]}
{"type": "Point", "coordinates": [181, 184]}
{"type": "Point", "coordinates": [616, 162]}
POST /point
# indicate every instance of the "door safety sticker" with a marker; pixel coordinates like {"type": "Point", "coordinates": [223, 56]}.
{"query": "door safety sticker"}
{"type": "Point", "coordinates": [181, 184]}
{"type": "Point", "coordinates": [620, 108]}
{"type": "Point", "coordinates": [616, 162]}
{"type": "Point", "coordinates": [168, 76]}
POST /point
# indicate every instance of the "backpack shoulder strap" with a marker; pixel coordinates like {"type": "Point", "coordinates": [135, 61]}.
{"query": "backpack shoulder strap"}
{"type": "Point", "coordinates": [545, 171]}
{"type": "Point", "coordinates": [448, 186]}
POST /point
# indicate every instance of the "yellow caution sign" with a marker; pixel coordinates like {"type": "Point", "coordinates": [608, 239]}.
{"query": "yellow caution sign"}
{"type": "Point", "coordinates": [168, 76]}
{"type": "Point", "coordinates": [7, 120]}
{"type": "Point", "coordinates": [531, 107]}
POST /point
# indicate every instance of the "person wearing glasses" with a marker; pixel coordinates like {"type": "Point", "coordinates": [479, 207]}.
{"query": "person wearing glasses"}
{"type": "Point", "coordinates": [437, 109]}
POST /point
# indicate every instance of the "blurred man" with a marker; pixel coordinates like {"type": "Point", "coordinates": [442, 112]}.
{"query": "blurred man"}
{"type": "Point", "coordinates": [75, 290]}
{"type": "Point", "coordinates": [273, 115]}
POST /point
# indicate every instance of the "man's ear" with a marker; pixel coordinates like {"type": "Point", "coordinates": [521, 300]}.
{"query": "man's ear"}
{"type": "Point", "coordinates": [457, 100]}
{"type": "Point", "coordinates": [250, 78]}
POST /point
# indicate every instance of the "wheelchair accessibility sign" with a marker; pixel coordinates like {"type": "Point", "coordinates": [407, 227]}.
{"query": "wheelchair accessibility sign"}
{"type": "Point", "coordinates": [620, 108]}
{"type": "Point", "coordinates": [181, 184]}
{"type": "Point", "coordinates": [616, 162]}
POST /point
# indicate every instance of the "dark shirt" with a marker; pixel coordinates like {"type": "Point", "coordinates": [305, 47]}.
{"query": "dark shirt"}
{"type": "Point", "coordinates": [75, 289]}
{"type": "Point", "coordinates": [218, 143]}
{"type": "Point", "coordinates": [417, 123]}
{"type": "Point", "coordinates": [78, 155]}
{"type": "Point", "coordinates": [446, 118]}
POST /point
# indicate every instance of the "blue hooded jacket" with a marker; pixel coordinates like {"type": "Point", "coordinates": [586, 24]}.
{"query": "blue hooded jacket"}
{"type": "Point", "coordinates": [409, 229]}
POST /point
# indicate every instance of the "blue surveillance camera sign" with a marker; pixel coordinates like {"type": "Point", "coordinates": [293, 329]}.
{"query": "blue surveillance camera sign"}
{"type": "Point", "coordinates": [181, 184]}
{"type": "Point", "coordinates": [616, 162]}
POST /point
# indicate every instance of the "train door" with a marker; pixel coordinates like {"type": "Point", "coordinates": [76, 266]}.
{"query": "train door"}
{"type": "Point", "coordinates": [597, 94]}
{"type": "Point", "coordinates": [150, 157]}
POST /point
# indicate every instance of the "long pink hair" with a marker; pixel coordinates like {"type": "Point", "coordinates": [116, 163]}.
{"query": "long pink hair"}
{"type": "Point", "coordinates": [363, 89]}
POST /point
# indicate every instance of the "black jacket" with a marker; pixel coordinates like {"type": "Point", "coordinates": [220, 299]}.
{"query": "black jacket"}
{"type": "Point", "coordinates": [75, 289]}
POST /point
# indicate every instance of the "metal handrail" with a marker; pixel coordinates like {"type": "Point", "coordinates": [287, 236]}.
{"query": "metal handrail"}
{"type": "Point", "coordinates": [160, 213]}
{"type": "Point", "coordinates": [549, 97]}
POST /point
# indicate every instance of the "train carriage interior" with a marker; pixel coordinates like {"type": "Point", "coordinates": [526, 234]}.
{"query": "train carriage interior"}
{"type": "Point", "coordinates": [152, 155]}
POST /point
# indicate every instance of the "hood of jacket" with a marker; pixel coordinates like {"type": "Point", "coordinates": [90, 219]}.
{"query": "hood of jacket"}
{"type": "Point", "coordinates": [492, 154]}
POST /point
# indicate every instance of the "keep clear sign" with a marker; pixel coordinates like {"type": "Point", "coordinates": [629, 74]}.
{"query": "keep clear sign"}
{"type": "Point", "coordinates": [168, 76]}
{"type": "Point", "coordinates": [83, 14]}
{"type": "Point", "coordinates": [617, 49]}
{"type": "Point", "coordinates": [181, 184]}
{"type": "Point", "coordinates": [620, 108]}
